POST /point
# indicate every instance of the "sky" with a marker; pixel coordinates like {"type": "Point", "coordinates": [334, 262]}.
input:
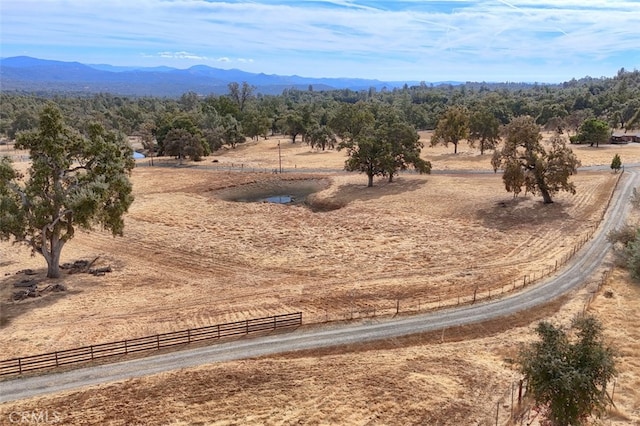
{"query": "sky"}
{"type": "Point", "coordinates": [408, 40]}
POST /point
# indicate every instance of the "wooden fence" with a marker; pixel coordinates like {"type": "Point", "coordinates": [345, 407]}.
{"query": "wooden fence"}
{"type": "Point", "coordinates": [148, 343]}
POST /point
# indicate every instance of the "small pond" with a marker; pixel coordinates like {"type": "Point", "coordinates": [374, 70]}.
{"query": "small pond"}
{"type": "Point", "coordinates": [280, 199]}
{"type": "Point", "coordinates": [289, 192]}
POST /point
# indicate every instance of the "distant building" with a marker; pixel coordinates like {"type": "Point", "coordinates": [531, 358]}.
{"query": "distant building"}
{"type": "Point", "coordinates": [625, 137]}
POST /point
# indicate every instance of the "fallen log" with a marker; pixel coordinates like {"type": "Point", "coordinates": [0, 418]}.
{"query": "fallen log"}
{"type": "Point", "coordinates": [23, 294]}
{"type": "Point", "coordinates": [100, 271]}
{"type": "Point", "coordinates": [54, 287]}
{"type": "Point", "coordinates": [25, 283]}
{"type": "Point", "coordinates": [79, 265]}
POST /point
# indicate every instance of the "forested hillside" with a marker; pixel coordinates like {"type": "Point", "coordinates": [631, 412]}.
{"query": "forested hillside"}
{"type": "Point", "coordinates": [311, 116]}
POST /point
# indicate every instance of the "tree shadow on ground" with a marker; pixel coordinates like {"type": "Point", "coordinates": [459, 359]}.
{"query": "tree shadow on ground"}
{"type": "Point", "coordinates": [517, 212]}
{"type": "Point", "coordinates": [350, 192]}
{"type": "Point", "coordinates": [49, 291]}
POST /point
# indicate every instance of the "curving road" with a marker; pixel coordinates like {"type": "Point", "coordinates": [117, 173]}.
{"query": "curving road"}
{"type": "Point", "coordinates": [582, 266]}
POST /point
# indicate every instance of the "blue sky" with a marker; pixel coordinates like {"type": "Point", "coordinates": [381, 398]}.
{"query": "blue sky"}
{"type": "Point", "coordinates": [462, 40]}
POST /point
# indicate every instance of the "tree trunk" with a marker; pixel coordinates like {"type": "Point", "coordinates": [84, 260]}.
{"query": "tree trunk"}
{"type": "Point", "coordinates": [370, 176]}
{"type": "Point", "coordinates": [455, 147]}
{"type": "Point", "coordinates": [51, 251]}
{"type": "Point", "coordinates": [545, 195]}
{"type": "Point", "coordinates": [390, 177]}
{"type": "Point", "coordinates": [53, 266]}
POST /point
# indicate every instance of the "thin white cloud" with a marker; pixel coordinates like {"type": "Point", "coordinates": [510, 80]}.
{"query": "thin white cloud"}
{"type": "Point", "coordinates": [182, 55]}
{"type": "Point", "coordinates": [338, 37]}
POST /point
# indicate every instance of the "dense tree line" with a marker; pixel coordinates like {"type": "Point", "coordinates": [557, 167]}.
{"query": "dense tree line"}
{"type": "Point", "coordinates": [194, 125]}
{"type": "Point", "coordinates": [298, 113]}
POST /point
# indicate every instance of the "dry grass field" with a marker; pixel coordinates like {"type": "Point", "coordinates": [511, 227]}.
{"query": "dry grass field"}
{"type": "Point", "coordinates": [190, 257]}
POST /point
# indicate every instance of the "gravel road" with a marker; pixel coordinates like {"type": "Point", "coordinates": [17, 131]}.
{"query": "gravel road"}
{"type": "Point", "coordinates": [586, 262]}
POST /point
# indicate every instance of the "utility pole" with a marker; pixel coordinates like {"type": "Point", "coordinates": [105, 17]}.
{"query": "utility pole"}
{"type": "Point", "coordinates": [279, 157]}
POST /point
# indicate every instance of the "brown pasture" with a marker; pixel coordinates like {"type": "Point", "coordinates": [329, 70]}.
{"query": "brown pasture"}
{"type": "Point", "coordinates": [191, 258]}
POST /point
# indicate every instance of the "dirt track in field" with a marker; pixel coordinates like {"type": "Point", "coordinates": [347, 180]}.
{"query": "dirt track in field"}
{"type": "Point", "coordinates": [189, 258]}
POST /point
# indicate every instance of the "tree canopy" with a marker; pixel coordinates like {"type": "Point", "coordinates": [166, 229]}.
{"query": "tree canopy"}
{"type": "Point", "coordinates": [381, 147]}
{"type": "Point", "coordinates": [182, 144]}
{"type": "Point", "coordinates": [74, 181]}
{"type": "Point", "coordinates": [246, 112]}
{"type": "Point", "coordinates": [593, 132]}
{"type": "Point", "coordinates": [528, 164]}
{"type": "Point", "coordinates": [568, 377]}
{"type": "Point", "coordinates": [616, 163]}
{"type": "Point", "coordinates": [452, 127]}
{"type": "Point", "coordinates": [484, 129]}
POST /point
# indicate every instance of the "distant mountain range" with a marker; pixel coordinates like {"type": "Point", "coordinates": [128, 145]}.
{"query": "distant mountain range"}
{"type": "Point", "coordinates": [23, 73]}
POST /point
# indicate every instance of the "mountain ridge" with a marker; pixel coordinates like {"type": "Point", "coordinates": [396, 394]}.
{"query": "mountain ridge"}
{"type": "Point", "coordinates": [25, 73]}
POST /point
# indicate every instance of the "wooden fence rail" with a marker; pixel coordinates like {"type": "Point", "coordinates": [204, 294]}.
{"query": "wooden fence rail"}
{"type": "Point", "coordinates": [148, 343]}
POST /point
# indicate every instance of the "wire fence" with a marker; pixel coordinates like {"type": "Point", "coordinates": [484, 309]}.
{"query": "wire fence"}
{"type": "Point", "coordinates": [361, 305]}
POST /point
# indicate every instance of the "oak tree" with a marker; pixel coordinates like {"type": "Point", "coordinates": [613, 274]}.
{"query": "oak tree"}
{"type": "Point", "coordinates": [568, 377]}
{"type": "Point", "coordinates": [321, 137]}
{"type": "Point", "coordinates": [182, 144]}
{"type": "Point", "coordinates": [75, 181]}
{"type": "Point", "coordinates": [452, 127]}
{"type": "Point", "coordinates": [484, 129]}
{"type": "Point", "coordinates": [593, 132]}
{"type": "Point", "coordinates": [384, 147]}
{"type": "Point", "coordinates": [528, 164]}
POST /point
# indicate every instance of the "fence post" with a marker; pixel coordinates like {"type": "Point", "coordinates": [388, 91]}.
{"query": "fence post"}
{"type": "Point", "coordinates": [56, 354]}
{"type": "Point", "coordinates": [91, 348]}
{"type": "Point", "coordinates": [520, 393]}
{"type": "Point", "coordinates": [275, 325]}
{"type": "Point", "coordinates": [497, 411]}
{"type": "Point", "coordinates": [188, 335]}
{"type": "Point", "coordinates": [125, 347]}
{"type": "Point", "coordinates": [512, 386]}
{"type": "Point", "coordinates": [475, 291]}
{"type": "Point", "coordinates": [158, 340]}
{"type": "Point", "coordinates": [613, 391]}
{"type": "Point", "coordinates": [397, 306]}
{"type": "Point", "coordinates": [218, 326]}
{"type": "Point", "coordinates": [246, 325]}
{"type": "Point", "coordinates": [19, 366]}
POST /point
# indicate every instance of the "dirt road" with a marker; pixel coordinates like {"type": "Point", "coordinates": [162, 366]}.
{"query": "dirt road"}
{"type": "Point", "coordinates": [584, 265]}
